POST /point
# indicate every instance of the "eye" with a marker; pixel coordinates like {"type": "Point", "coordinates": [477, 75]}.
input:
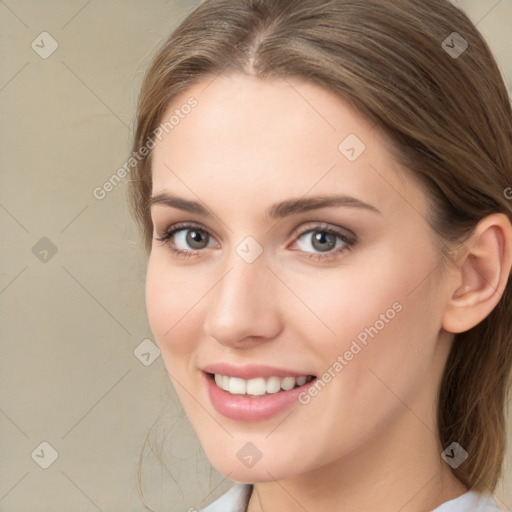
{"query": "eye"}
{"type": "Point", "coordinates": [184, 239]}
{"type": "Point", "coordinates": [322, 242]}
{"type": "Point", "coordinates": [318, 242]}
{"type": "Point", "coordinates": [193, 238]}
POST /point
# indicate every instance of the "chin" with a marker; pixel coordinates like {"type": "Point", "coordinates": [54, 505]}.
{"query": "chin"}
{"type": "Point", "coordinates": [237, 465]}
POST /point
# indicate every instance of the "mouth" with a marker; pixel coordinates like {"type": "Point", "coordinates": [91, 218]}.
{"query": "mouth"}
{"type": "Point", "coordinates": [259, 387]}
{"type": "Point", "coordinates": [254, 393]}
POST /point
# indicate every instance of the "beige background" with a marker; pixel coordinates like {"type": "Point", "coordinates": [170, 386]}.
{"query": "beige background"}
{"type": "Point", "coordinates": [72, 320]}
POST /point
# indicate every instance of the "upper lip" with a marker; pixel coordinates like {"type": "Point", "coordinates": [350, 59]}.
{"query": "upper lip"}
{"type": "Point", "coordinates": [251, 371]}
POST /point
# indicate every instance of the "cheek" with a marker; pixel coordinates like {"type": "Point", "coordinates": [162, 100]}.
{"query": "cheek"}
{"type": "Point", "coordinates": [357, 301]}
{"type": "Point", "coordinates": [172, 305]}
{"type": "Point", "coordinates": [393, 333]}
{"type": "Point", "coordinates": [382, 315]}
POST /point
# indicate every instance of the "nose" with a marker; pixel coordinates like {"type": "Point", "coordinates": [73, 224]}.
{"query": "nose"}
{"type": "Point", "coordinates": [243, 304]}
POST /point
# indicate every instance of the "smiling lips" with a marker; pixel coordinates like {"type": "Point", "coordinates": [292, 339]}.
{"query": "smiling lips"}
{"type": "Point", "coordinates": [252, 393]}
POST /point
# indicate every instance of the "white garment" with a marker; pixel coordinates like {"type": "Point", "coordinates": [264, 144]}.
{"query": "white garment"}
{"type": "Point", "coordinates": [237, 499]}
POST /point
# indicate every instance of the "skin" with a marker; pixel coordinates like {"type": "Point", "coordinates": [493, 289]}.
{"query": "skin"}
{"type": "Point", "coordinates": [368, 439]}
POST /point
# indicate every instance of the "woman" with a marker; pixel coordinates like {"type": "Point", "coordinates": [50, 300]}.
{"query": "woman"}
{"type": "Point", "coordinates": [321, 186]}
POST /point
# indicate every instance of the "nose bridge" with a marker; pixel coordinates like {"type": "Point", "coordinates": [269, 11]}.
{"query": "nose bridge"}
{"type": "Point", "coordinates": [243, 301]}
{"type": "Point", "coordinates": [245, 266]}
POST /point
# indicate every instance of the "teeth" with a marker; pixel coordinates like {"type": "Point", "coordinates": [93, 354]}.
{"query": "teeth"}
{"type": "Point", "coordinates": [273, 385]}
{"type": "Point", "coordinates": [288, 383]}
{"type": "Point", "coordinates": [258, 386]}
{"type": "Point", "coordinates": [301, 381]}
{"type": "Point", "coordinates": [237, 386]}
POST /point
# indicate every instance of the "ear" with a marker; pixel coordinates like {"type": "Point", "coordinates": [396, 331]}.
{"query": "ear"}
{"type": "Point", "coordinates": [480, 274]}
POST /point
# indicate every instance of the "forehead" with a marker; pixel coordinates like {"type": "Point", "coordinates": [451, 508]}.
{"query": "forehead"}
{"type": "Point", "coordinates": [262, 115]}
{"type": "Point", "coordinates": [246, 136]}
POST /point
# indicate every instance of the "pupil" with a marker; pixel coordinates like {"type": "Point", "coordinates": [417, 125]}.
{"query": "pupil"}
{"type": "Point", "coordinates": [195, 239]}
{"type": "Point", "coordinates": [326, 241]}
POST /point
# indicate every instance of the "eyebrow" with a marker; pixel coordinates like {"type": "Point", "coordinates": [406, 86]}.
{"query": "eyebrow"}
{"type": "Point", "coordinates": [276, 211]}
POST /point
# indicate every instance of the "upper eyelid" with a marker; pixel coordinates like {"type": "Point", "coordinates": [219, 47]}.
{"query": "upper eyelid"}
{"type": "Point", "coordinates": [326, 226]}
{"type": "Point", "coordinates": [180, 226]}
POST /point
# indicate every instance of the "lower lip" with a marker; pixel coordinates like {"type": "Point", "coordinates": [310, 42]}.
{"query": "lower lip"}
{"type": "Point", "coordinates": [244, 408]}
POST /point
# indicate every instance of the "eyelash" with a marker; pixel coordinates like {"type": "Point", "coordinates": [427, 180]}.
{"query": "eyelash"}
{"type": "Point", "coordinates": [349, 242]}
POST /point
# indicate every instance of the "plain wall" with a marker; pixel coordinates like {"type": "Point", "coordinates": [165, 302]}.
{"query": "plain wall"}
{"type": "Point", "coordinates": [72, 267]}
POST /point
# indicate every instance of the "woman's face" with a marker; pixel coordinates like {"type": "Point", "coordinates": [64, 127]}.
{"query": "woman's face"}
{"type": "Point", "coordinates": [305, 253]}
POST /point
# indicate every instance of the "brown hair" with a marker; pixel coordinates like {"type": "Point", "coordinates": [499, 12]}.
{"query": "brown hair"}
{"type": "Point", "coordinates": [449, 121]}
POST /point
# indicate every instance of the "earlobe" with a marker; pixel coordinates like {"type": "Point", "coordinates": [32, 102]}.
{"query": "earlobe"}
{"type": "Point", "coordinates": [482, 274]}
